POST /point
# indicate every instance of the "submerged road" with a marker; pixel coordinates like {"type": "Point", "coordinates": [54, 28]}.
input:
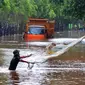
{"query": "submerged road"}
{"type": "Point", "coordinates": [67, 69]}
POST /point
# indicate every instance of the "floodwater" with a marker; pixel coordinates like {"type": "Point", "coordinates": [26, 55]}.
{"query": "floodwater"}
{"type": "Point", "coordinates": [67, 69]}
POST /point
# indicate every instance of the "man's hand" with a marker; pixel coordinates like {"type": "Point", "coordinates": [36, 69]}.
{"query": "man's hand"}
{"type": "Point", "coordinates": [29, 55]}
{"type": "Point", "coordinates": [30, 65]}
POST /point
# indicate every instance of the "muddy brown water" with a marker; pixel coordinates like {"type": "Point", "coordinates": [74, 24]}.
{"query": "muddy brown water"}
{"type": "Point", "coordinates": [67, 69]}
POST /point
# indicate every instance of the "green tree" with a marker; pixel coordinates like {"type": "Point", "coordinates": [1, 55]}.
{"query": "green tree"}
{"type": "Point", "coordinates": [44, 9]}
{"type": "Point", "coordinates": [74, 8]}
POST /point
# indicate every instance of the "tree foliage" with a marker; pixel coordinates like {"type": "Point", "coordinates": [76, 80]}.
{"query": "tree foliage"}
{"type": "Point", "coordinates": [13, 10]}
{"type": "Point", "coordinates": [74, 8]}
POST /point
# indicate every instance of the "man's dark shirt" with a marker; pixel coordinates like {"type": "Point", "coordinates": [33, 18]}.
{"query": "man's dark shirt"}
{"type": "Point", "coordinates": [14, 62]}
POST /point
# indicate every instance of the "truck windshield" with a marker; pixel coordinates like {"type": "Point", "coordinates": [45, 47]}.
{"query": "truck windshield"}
{"type": "Point", "coordinates": [36, 30]}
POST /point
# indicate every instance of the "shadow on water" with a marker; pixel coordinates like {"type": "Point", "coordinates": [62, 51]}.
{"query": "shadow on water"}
{"type": "Point", "coordinates": [3, 79]}
{"type": "Point", "coordinates": [1, 58]}
{"type": "Point", "coordinates": [67, 69]}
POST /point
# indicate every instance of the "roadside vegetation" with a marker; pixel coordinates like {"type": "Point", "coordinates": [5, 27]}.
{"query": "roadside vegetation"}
{"type": "Point", "coordinates": [67, 13]}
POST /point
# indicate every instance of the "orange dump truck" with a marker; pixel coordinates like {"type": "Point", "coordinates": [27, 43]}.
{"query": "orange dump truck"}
{"type": "Point", "coordinates": [39, 29]}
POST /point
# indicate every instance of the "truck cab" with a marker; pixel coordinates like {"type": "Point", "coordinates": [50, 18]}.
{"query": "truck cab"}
{"type": "Point", "coordinates": [35, 32]}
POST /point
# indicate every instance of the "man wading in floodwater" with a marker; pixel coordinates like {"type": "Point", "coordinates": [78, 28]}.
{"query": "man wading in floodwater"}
{"type": "Point", "coordinates": [16, 59]}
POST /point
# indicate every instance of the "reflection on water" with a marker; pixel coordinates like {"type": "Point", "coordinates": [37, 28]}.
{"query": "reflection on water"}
{"type": "Point", "coordinates": [42, 77]}
{"type": "Point", "coordinates": [67, 69]}
{"type": "Point", "coordinates": [14, 77]}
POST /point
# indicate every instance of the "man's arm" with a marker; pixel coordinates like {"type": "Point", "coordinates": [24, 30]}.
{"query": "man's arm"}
{"type": "Point", "coordinates": [25, 56]}
{"type": "Point", "coordinates": [30, 65]}
{"type": "Point", "coordinates": [23, 61]}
